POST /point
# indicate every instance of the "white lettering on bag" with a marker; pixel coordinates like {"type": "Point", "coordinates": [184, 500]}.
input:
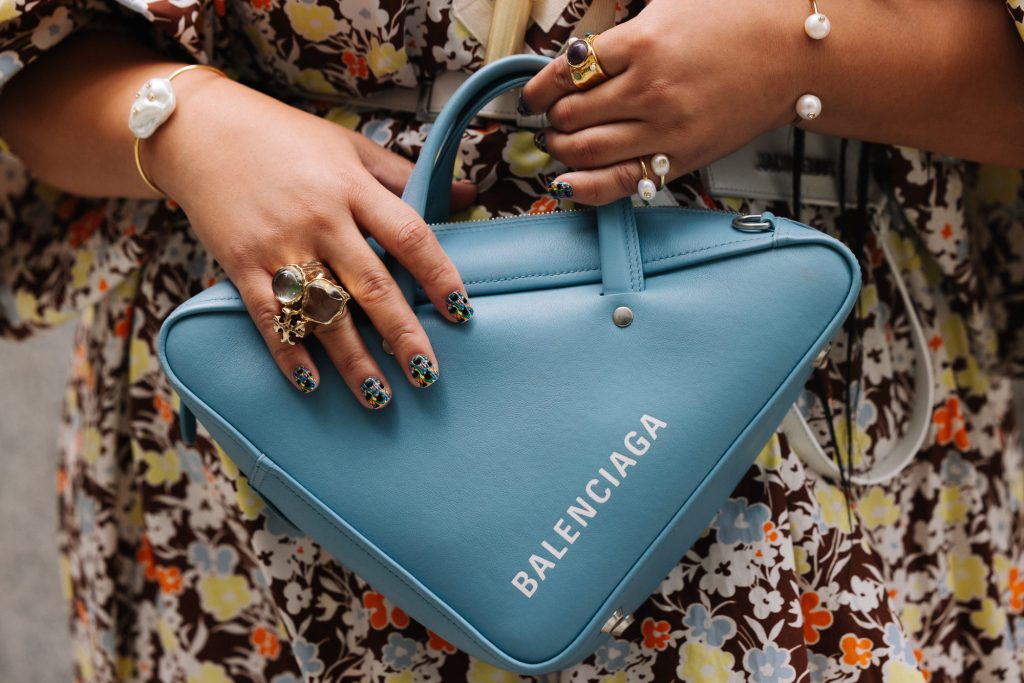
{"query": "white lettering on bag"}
{"type": "Point", "coordinates": [581, 510]}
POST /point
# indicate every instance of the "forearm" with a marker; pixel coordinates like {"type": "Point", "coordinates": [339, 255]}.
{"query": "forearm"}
{"type": "Point", "coordinates": [66, 115]}
{"type": "Point", "coordinates": [941, 76]}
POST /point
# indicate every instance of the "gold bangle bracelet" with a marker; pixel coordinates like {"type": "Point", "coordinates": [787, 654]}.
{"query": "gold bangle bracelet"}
{"type": "Point", "coordinates": [138, 141]}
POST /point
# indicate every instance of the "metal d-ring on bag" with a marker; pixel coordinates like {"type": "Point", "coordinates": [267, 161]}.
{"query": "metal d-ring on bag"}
{"type": "Point", "coordinates": [623, 369]}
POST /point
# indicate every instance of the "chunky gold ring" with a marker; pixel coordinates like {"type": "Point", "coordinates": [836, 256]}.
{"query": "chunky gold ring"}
{"type": "Point", "coordinates": [584, 67]}
{"type": "Point", "coordinates": [310, 297]}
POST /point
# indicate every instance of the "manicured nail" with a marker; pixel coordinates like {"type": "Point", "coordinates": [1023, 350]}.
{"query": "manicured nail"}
{"type": "Point", "coordinates": [522, 107]}
{"type": "Point", "coordinates": [375, 393]}
{"type": "Point", "coordinates": [422, 370]}
{"type": "Point", "coordinates": [304, 379]}
{"type": "Point", "coordinates": [559, 190]}
{"type": "Point", "coordinates": [459, 308]}
{"type": "Point", "coordinates": [540, 141]}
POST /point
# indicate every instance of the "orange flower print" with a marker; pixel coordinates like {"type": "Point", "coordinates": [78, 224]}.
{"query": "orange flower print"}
{"type": "Point", "coordinates": [145, 558]}
{"type": "Point", "coordinates": [163, 407]}
{"type": "Point", "coordinates": [656, 634]}
{"type": "Point", "coordinates": [856, 651]}
{"type": "Point", "coordinates": [544, 205]}
{"type": "Point", "coordinates": [439, 644]}
{"type": "Point", "coordinates": [771, 534]}
{"type": "Point", "coordinates": [374, 601]}
{"type": "Point", "coordinates": [951, 424]}
{"type": "Point", "coordinates": [356, 64]}
{"type": "Point", "coordinates": [266, 642]}
{"type": "Point", "coordinates": [83, 228]}
{"type": "Point", "coordinates": [1016, 591]}
{"type": "Point", "coordinates": [169, 579]}
{"type": "Point", "coordinates": [261, 4]}
{"type": "Point", "coordinates": [814, 619]}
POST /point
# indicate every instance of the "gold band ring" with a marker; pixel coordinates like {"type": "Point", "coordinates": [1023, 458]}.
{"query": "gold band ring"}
{"type": "Point", "coordinates": [584, 67]}
{"type": "Point", "coordinates": [310, 297]}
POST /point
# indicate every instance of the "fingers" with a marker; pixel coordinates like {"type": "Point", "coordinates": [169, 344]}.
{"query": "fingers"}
{"type": "Point", "coordinates": [293, 360]}
{"type": "Point", "coordinates": [615, 101]}
{"type": "Point", "coordinates": [402, 232]}
{"type": "Point", "coordinates": [371, 285]}
{"type": "Point", "coordinates": [357, 367]}
{"type": "Point", "coordinates": [603, 185]}
{"type": "Point", "coordinates": [601, 145]}
{"type": "Point", "coordinates": [554, 80]}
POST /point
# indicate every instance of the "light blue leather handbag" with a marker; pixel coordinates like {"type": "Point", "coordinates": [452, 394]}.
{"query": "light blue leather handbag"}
{"type": "Point", "coordinates": [623, 369]}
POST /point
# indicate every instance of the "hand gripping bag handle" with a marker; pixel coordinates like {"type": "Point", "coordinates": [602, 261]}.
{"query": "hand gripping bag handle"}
{"type": "Point", "coordinates": [429, 185]}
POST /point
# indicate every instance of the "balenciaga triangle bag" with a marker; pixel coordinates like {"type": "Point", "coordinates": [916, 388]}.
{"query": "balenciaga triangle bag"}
{"type": "Point", "coordinates": [623, 369]}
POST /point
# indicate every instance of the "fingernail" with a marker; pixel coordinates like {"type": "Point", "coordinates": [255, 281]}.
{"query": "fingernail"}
{"type": "Point", "coordinates": [458, 307]}
{"type": "Point", "coordinates": [522, 107]}
{"type": "Point", "coordinates": [375, 393]}
{"type": "Point", "coordinates": [422, 370]}
{"type": "Point", "coordinates": [559, 190]}
{"type": "Point", "coordinates": [540, 140]}
{"type": "Point", "coordinates": [304, 379]}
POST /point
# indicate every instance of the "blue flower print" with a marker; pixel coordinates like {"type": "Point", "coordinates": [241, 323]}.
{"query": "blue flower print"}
{"type": "Point", "coordinates": [899, 647]}
{"type": "Point", "coordinates": [285, 678]}
{"type": "Point", "coordinates": [221, 559]}
{"type": "Point", "coordinates": [770, 665]}
{"type": "Point", "coordinates": [612, 655]}
{"type": "Point", "coordinates": [379, 131]}
{"type": "Point", "coordinates": [956, 470]}
{"type": "Point", "coordinates": [85, 509]}
{"type": "Point", "coordinates": [399, 651]}
{"type": "Point", "coordinates": [714, 631]}
{"type": "Point", "coordinates": [738, 522]}
{"type": "Point", "coordinates": [307, 654]}
{"type": "Point", "coordinates": [817, 666]}
{"type": "Point", "coordinates": [192, 463]}
{"type": "Point", "coordinates": [9, 65]}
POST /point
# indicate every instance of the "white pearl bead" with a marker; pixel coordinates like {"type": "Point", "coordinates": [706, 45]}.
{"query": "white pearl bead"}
{"type": "Point", "coordinates": [646, 189]}
{"type": "Point", "coordinates": [817, 26]}
{"type": "Point", "coordinates": [660, 164]}
{"type": "Point", "coordinates": [808, 107]}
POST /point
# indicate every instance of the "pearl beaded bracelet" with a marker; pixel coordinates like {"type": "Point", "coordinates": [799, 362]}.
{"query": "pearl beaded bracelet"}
{"type": "Point", "coordinates": [817, 27]}
{"type": "Point", "coordinates": [154, 104]}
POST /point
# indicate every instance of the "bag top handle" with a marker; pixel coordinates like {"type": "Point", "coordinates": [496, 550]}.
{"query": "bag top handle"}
{"type": "Point", "coordinates": [429, 187]}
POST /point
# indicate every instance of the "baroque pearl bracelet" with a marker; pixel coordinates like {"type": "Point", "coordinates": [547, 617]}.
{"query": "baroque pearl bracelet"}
{"type": "Point", "coordinates": [154, 103]}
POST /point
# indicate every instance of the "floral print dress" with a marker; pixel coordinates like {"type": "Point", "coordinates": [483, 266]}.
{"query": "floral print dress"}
{"type": "Point", "coordinates": [175, 571]}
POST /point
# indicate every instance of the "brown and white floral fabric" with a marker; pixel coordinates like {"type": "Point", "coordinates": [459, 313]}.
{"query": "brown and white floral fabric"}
{"type": "Point", "coordinates": [175, 571]}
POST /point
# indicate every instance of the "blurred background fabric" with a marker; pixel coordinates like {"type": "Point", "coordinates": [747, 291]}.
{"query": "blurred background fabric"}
{"type": "Point", "coordinates": [33, 638]}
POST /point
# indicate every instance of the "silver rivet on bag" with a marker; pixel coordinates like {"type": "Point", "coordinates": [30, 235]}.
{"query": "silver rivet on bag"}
{"type": "Point", "coordinates": [822, 356]}
{"type": "Point", "coordinates": [617, 623]}
{"type": "Point", "coordinates": [622, 316]}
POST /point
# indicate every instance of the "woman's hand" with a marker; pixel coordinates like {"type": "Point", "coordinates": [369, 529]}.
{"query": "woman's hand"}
{"type": "Point", "coordinates": [692, 80]}
{"type": "Point", "coordinates": [265, 185]}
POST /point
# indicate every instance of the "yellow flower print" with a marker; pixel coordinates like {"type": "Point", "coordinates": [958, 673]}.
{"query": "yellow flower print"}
{"type": "Point", "coordinates": [522, 155]}
{"type": "Point", "coordinates": [7, 10]}
{"type": "Point", "coordinates": [65, 577]}
{"type": "Point", "coordinates": [139, 360]}
{"type": "Point", "coordinates": [952, 509]}
{"type": "Point", "coordinates": [82, 654]}
{"type": "Point", "coordinates": [476, 213]}
{"type": "Point", "coordinates": [313, 80]}
{"type": "Point", "coordinates": [343, 117]}
{"type": "Point", "coordinates": [770, 457]}
{"type": "Point", "coordinates": [404, 677]}
{"type": "Point", "coordinates": [227, 465]}
{"type": "Point", "coordinates": [1001, 570]}
{"type": "Point", "coordinates": [878, 508]}
{"type": "Point", "coordinates": [248, 500]}
{"type": "Point", "coordinates": [210, 673]}
{"type": "Point", "coordinates": [898, 671]}
{"type": "Point", "coordinates": [125, 666]}
{"type": "Point", "coordinates": [800, 560]}
{"type": "Point", "coordinates": [617, 677]}
{"type": "Point", "coordinates": [384, 59]}
{"type": "Point", "coordinates": [990, 619]}
{"type": "Point", "coordinates": [910, 619]}
{"type": "Point", "coordinates": [861, 441]}
{"type": "Point", "coordinates": [168, 639]}
{"type": "Point", "coordinates": [481, 672]}
{"type": "Point", "coordinates": [997, 185]}
{"type": "Point", "coordinates": [833, 506]}
{"type": "Point", "coordinates": [91, 443]}
{"type": "Point", "coordinates": [80, 271]}
{"type": "Point", "coordinates": [311, 21]}
{"type": "Point", "coordinates": [868, 299]}
{"type": "Point", "coordinates": [704, 664]}
{"type": "Point", "coordinates": [162, 468]}
{"type": "Point", "coordinates": [966, 576]}
{"type": "Point", "coordinates": [259, 40]}
{"type": "Point", "coordinates": [27, 306]}
{"type": "Point", "coordinates": [224, 596]}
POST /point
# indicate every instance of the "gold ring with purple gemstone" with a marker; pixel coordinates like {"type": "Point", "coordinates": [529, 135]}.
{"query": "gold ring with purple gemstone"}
{"type": "Point", "coordinates": [584, 67]}
{"type": "Point", "coordinates": [310, 297]}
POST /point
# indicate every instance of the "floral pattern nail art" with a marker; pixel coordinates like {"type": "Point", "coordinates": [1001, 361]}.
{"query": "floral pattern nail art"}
{"type": "Point", "coordinates": [375, 393]}
{"type": "Point", "coordinates": [304, 379]}
{"type": "Point", "coordinates": [422, 370]}
{"type": "Point", "coordinates": [459, 308]}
